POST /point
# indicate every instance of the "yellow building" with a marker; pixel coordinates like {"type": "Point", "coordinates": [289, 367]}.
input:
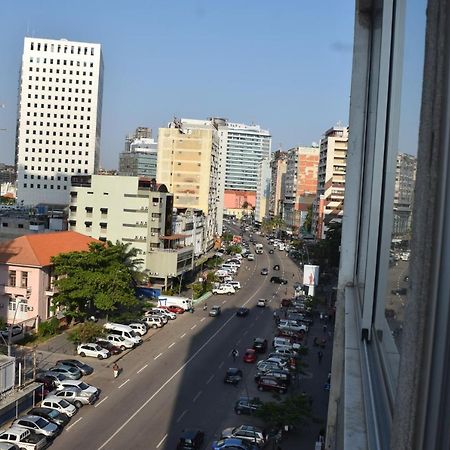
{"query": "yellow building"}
{"type": "Point", "coordinates": [188, 164]}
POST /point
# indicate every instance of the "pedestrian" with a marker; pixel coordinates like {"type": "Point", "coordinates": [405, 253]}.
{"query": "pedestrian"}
{"type": "Point", "coordinates": [205, 306]}
{"type": "Point", "coordinates": [235, 354]}
{"type": "Point", "coordinates": [321, 316]}
{"type": "Point", "coordinates": [116, 369]}
{"type": "Point", "coordinates": [320, 356]}
{"type": "Point", "coordinates": [325, 328]}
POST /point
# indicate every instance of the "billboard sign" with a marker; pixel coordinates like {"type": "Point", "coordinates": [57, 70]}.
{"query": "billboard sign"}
{"type": "Point", "coordinates": [310, 275]}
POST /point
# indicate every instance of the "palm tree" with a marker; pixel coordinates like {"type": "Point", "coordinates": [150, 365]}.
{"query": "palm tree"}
{"type": "Point", "coordinates": [128, 256]}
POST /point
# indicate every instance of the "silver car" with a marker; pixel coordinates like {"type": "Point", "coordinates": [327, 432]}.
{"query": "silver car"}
{"type": "Point", "coordinates": [75, 396]}
{"type": "Point", "coordinates": [247, 433]}
{"type": "Point", "coordinates": [39, 425]}
{"type": "Point", "coordinates": [71, 373]}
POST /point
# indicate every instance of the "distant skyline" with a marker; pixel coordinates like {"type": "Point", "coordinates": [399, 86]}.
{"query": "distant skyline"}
{"type": "Point", "coordinates": [285, 68]}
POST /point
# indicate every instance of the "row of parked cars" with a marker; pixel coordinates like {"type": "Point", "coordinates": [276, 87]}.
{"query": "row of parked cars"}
{"type": "Point", "coordinates": [225, 274]}
{"type": "Point", "coordinates": [62, 394]}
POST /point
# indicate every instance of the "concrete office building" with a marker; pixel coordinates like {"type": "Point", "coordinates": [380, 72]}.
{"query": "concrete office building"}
{"type": "Point", "coordinates": [188, 164]}
{"type": "Point", "coordinates": [329, 203]}
{"type": "Point", "coordinates": [242, 148]}
{"type": "Point", "coordinates": [59, 118]}
{"type": "Point", "coordinates": [278, 167]}
{"type": "Point", "coordinates": [405, 181]}
{"type": "Point", "coordinates": [263, 190]}
{"type": "Point", "coordinates": [132, 210]}
{"type": "Point", "coordinates": [300, 185]}
{"type": "Point", "coordinates": [140, 156]}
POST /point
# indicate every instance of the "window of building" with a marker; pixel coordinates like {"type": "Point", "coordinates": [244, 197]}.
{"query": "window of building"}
{"type": "Point", "coordinates": [24, 279]}
{"type": "Point", "coordinates": [12, 274]}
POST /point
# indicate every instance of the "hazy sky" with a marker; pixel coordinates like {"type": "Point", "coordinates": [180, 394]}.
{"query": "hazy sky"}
{"type": "Point", "coordinates": [284, 65]}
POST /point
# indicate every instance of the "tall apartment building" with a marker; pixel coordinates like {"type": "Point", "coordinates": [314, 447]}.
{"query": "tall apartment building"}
{"type": "Point", "coordinates": [405, 181]}
{"type": "Point", "coordinates": [133, 210]}
{"type": "Point", "coordinates": [242, 148]}
{"type": "Point", "coordinates": [329, 203]}
{"type": "Point", "coordinates": [301, 184]}
{"type": "Point", "coordinates": [59, 117]}
{"type": "Point", "coordinates": [140, 156]}
{"type": "Point", "coordinates": [278, 166]}
{"type": "Point", "coordinates": [263, 190]}
{"type": "Point", "coordinates": [188, 164]}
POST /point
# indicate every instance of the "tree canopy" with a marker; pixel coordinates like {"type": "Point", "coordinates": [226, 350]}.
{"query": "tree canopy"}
{"type": "Point", "coordinates": [100, 279]}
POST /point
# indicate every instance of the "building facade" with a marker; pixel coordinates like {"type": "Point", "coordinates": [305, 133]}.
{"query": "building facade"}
{"type": "Point", "coordinates": [59, 117]}
{"type": "Point", "coordinates": [300, 186]}
{"type": "Point", "coordinates": [135, 211]}
{"type": "Point", "coordinates": [405, 181]}
{"type": "Point", "coordinates": [191, 224]}
{"type": "Point", "coordinates": [188, 164]}
{"type": "Point", "coordinates": [329, 203]}
{"type": "Point", "coordinates": [263, 191]}
{"type": "Point", "coordinates": [140, 156]}
{"type": "Point", "coordinates": [278, 166]}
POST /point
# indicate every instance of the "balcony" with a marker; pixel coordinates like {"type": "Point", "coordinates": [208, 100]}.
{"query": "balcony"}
{"type": "Point", "coordinates": [16, 291]}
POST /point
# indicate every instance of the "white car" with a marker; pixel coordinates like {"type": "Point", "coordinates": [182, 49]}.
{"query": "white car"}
{"type": "Point", "coordinates": [165, 312]}
{"type": "Point", "coordinates": [292, 325]}
{"type": "Point", "coordinates": [82, 385]}
{"type": "Point", "coordinates": [261, 302]}
{"type": "Point", "coordinates": [139, 328]}
{"type": "Point", "coordinates": [119, 341]}
{"type": "Point", "coordinates": [224, 289]}
{"type": "Point", "coordinates": [250, 257]}
{"type": "Point", "coordinates": [235, 284]}
{"type": "Point", "coordinates": [93, 350]}
{"type": "Point", "coordinates": [61, 405]}
{"type": "Point", "coordinates": [153, 321]}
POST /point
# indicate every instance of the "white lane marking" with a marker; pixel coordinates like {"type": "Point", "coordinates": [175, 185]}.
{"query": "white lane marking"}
{"type": "Point", "coordinates": [182, 415]}
{"type": "Point", "coordinates": [70, 426]}
{"type": "Point", "coordinates": [193, 326]}
{"type": "Point", "coordinates": [202, 319]}
{"type": "Point", "coordinates": [100, 402]}
{"type": "Point", "coordinates": [245, 332]}
{"type": "Point", "coordinates": [161, 441]}
{"type": "Point", "coordinates": [210, 379]}
{"type": "Point", "coordinates": [197, 396]}
{"type": "Point", "coordinates": [223, 303]}
{"type": "Point", "coordinates": [238, 341]}
{"type": "Point", "coordinates": [171, 345]}
{"type": "Point", "coordinates": [169, 380]}
{"type": "Point", "coordinates": [157, 356]}
{"type": "Point", "coordinates": [124, 383]}
{"type": "Point", "coordinates": [142, 368]}
{"type": "Point", "coordinates": [183, 335]}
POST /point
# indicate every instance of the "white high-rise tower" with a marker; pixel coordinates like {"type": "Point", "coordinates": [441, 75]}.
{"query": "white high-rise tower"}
{"type": "Point", "coordinates": [59, 118]}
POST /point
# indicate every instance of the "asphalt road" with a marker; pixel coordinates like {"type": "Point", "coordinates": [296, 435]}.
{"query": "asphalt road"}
{"type": "Point", "coordinates": [175, 379]}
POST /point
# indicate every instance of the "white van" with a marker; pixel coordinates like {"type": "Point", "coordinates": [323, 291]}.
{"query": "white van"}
{"type": "Point", "coordinates": [168, 300]}
{"type": "Point", "coordinates": [122, 330]}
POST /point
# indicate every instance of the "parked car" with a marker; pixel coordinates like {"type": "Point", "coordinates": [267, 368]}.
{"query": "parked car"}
{"type": "Point", "coordinates": [15, 330]}
{"type": "Point", "coordinates": [215, 311]}
{"type": "Point", "coordinates": [38, 425]}
{"type": "Point", "coordinates": [224, 289]}
{"type": "Point", "coordinates": [233, 444]}
{"type": "Point", "coordinates": [260, 345]}
{"type": "Point", "coordinates": [153, 321]}
{"type": "Point", "coordinates": [140, 328]}
{"type": "Point", "coordinates": [250, 257]}
{"type": "Point", "coordinates": [112, 349]}
{"type": "Point", "coordinates": [76, 396]}
{"type": "Point", "coordinates": [174, 309]}
{"type": "Point", "coordinates": [233, 376]}
{"type": "Point", "coordinates": [24, 438]}
{"type": "Point", "coordinates": [158, 314]}
{"type": "Point", "coordinates": [249, 433]}
{"type": "Point", "coordinates": [249, 356]}
{"type": "Point", "coordinates": [72, 373]}
{"type": "Point", "coordinates": [278, 280]}
{"type": "Point", "coordinates": [48, 385]}
{"type": "Point", "coordinates": [50, 414]}
{"type": "Point", "coordinates": [191, 439]}
{"type": "Point", "coordinates": [246, 405]}
{"type": "Point", "coordinates": [267, 383]}
{"type": "Point", "coordinates": [58, 403]}
{"type": "Point", "coordinates": [292, 325]}
{"type": "Point", "coordinates": [79, 384]}
{"type": "Point", "coordinates": [261, 302]}
{"type": "Point", "coordinates": [264, 366]}
{"type": "Point", "coordinates": [119, 341]}
{"type": "Point", "coordinates": [235, 284]}
{"type": "Point", "coordinates": [85, 369]}
{"type": "Point", "coordinates": [93, 350]}
{"type": "Point", "coordinates": [285, 342]}
{"type": "Point", "coordinates": [265, 271]}
{"type": "Point", "coordinates": [55, 377]}
{"type": "Point", "coordinates": [286, 351]}
{"type": "Point", "coordinates": [170, 315]}
{"type": "Point", "coordinates": [282, 375]}
{"type": "Point", "coordinates": [242, 312]}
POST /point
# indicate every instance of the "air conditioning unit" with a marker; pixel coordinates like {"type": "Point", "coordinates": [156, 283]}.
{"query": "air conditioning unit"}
{"type": "Point", "coordinates": [153, 219]}
{"type": "Point", "coordinates": [30, 308]}
{"type": "Point", "coordinates": [153, 234]}
{"type": "Point", "coordinates": [155, 204]}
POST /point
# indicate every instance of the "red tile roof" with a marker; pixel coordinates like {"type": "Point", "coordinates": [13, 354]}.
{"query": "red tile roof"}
{"type": "Point", "coordinates": [37, 249]}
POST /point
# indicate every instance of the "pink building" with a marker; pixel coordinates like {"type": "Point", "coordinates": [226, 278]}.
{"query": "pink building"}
{"type": "Point", "coordinates": [26, 278]}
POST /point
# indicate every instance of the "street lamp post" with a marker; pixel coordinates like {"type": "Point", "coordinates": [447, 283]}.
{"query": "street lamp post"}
{"type": "Point", "coordinates": [18, 303]}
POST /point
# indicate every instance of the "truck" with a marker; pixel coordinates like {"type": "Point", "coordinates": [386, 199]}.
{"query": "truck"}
{"type": "Point", "coordinates": [169, 300]}
{"type": "Point", "coordinates": [23, 438]}
{"type": "Point", "coordinates": [259, 249]}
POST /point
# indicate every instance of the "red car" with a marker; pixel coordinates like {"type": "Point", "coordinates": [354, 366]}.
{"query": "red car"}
{"type": "Point", "coordinates": [250, 356]}
{"type": "Point", "coordinates": [173, 309]}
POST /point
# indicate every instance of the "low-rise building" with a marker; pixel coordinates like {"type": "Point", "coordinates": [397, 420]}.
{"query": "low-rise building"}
{"type": "Point", "coordinates": [191, 223]}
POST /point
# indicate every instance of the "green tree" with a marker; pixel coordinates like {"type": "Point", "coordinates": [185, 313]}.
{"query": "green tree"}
{"type": "Point", "coordinates": [293, 411]}
{"type": "Point", "coordinates": [129, 257]}
{"type": "Point", "coordinates": [86, 332]}
{"type": "Point", "coordinates": [93, 280]}
{"type": "Point", "coordinates": [227, 237]}
{"type": "Point", "coordinates": [307, 224]}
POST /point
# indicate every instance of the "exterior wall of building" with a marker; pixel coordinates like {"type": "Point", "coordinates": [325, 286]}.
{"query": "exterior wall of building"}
{"type": "Point", "coordinates": [263, 191]}
{"type": "Point", "coordinates": [188, 164]}
{"type": "Point", "coordinates": [278, 167]}
{"type": "Point", "coordinates": [70, 76]}
{"type": "Point", "coordinates": [235, 199]}
{"type": "Point", "coordinates": [329, 204]}
{"type": "Point", "coordinates": [192, 226]}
